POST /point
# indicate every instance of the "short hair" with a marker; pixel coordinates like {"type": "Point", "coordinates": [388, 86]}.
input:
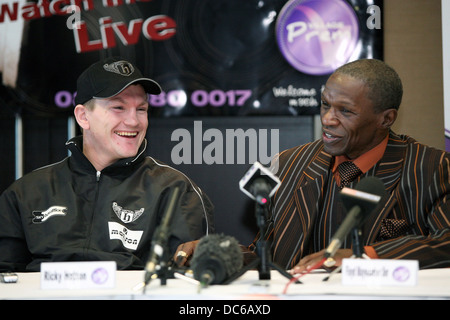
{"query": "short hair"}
{"type": "Point", "coordinates": [384, 84]}
{"type": "Point", "coordinates": [90, 104]}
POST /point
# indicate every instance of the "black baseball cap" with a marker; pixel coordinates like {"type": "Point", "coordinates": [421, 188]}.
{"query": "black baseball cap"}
{"type": "Point", "coordinates": [109, 77]}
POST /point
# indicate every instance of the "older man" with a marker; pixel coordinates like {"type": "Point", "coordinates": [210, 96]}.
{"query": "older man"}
{"type": "Point", "coordinates": [360, 102]}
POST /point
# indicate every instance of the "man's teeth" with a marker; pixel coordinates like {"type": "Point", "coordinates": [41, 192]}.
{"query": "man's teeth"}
{"type": "Point", "coordinates": [126, 134]}
{"type": "Point", "coordinates": [328, 135]}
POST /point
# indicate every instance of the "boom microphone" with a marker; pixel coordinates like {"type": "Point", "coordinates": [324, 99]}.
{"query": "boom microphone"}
{"type": "Point", "coordinates": [359, 202]}
{"type": "Point", "coordinates": [216, 258]}
{"type": "Point", "coordinates": [259, 183]}
{"type": "Point", "coordinates": [161, 237]}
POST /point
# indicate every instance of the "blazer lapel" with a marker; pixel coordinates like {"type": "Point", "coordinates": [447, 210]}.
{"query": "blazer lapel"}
{"type": "Point", "coordinates": [297, 216]}
{"type": "Point", "coordinates": [389, 171]}
{"type": "Point", "coordinates": [315, 177]}
{"type": "Point", "coordinates": [310, 193]}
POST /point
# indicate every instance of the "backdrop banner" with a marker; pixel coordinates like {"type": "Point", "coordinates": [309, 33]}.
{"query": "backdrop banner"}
{"type": "Point", "coordinates": [211, 57]}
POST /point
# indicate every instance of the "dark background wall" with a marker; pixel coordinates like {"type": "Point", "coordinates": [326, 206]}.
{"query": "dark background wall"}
{"type": "Point", "coordinates": [234, 210]}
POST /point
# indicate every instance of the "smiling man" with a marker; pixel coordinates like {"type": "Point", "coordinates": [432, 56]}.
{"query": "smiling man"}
{"type": "Point", "coordinates": [114, 128]}
{"type": "Point", "coordinates": [105, 201]}
{"type": "Point", "coordinates": [360, 103]}
{"type": "Point", "coordinates": [351, 125]}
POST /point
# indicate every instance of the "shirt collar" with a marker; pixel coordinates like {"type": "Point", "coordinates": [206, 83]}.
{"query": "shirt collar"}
{"type": "Point", "coordinates": [367, 160]}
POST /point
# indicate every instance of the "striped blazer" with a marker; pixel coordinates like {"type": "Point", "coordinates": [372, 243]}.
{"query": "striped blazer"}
{"type": "Point", "coordinates": [303, 214]}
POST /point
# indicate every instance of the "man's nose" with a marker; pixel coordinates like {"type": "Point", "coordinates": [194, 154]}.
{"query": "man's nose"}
{"type": "Point", "coordinates": [131, 118]}
{"type": "Point", "coordinates": [328, 117]}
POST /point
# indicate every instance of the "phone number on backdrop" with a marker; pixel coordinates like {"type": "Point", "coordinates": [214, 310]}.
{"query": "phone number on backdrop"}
{"type": "Point", "coordinates": [178, 98]}
{"type": "Point", "coordinates": [201, 98]}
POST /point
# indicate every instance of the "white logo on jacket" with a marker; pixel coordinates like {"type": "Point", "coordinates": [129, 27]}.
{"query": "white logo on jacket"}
{"type": "Point", "coordinates": [126, 215]}
{"type": "Point", "coordinates": [41, 216]}
{"type": "Point", "coordinates": [130, 238]}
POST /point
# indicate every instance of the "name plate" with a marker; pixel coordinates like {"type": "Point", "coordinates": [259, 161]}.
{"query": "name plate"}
{"type": "Point", "coordinates": [78, 275]}
{"type": "Point", "coordinates": [379, 272]}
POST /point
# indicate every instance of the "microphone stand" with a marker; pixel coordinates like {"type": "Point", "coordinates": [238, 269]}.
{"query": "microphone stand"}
{"type": "Point", "coordinates": [158, 262]}
{"type": "Point", "coordinates": [161, 271]}
{"type": "Point", "coordinates": [358, 250]}
{"type": "Point", "coordinates": [163, 274]}
{"type": "Point", "coordinates": [264, 261]}
{"type": "Point", "coordinates": [357, 247]}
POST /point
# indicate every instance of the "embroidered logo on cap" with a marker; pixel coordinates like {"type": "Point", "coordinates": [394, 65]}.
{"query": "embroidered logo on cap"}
{"type": "Point", "coordinates": [41, 216]}
{"type": "Point", "coordinates": [125, 215]}
{"type": "Point", "coordinates": [122, 67]}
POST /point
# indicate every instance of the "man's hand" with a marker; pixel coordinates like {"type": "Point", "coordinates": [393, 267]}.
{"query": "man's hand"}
{"type": "Point", "coordinates": [314, 258]}
{"type": "Point", "coordinates": [184, 253]}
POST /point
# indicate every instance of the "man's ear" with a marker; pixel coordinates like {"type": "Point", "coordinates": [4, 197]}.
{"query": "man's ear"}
{"type": "Point", "coordinates": [388, 118]}
{"type": "Point", "coordinates": [81, 116]}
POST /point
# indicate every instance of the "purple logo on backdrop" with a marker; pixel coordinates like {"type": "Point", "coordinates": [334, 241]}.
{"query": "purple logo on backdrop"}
{"type": "Point", "coordinates": [317, 36]}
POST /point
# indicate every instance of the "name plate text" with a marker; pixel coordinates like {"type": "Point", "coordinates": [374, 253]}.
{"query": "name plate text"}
{"type": "Point", "coordinates": [379, 272]}
{"type": "Point", "coordinates": [78, 275]}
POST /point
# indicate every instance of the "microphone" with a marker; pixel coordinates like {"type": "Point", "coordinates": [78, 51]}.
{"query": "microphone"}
{"type": "Point", "coordinates": [216, 258]}
{"type": "Point", "coordinates": [359, 203]}
{"type": "Point", "coordinates": [161, 237]}
{"type": "Point", "coordinates": [259, 183]}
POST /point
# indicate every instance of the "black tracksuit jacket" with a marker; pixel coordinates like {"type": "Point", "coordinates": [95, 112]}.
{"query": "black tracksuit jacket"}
{"type": "Point", "coordinates": [70, 212]}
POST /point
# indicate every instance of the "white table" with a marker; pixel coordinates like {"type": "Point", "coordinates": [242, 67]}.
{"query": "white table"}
{"type": "Point", "coordinates": [432, 284]}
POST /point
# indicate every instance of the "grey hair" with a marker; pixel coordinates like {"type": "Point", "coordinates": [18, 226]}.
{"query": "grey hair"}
{"type": "Point", "coordinates": [384, 84]}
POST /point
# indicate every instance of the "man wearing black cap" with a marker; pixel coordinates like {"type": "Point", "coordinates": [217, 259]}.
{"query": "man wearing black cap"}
{"type": "Point", "coordinates": [105, 201]}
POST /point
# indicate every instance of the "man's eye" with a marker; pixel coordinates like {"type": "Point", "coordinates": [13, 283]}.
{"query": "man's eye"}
{"type": "Point", "coordinates": [346, 111]}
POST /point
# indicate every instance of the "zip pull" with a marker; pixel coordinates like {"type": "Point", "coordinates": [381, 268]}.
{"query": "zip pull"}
{"type": "Point", "coordinates": [99, 173]}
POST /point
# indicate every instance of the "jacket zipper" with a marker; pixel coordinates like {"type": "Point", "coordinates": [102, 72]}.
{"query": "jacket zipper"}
{"type": "Point", "coordinates": [88, 242]}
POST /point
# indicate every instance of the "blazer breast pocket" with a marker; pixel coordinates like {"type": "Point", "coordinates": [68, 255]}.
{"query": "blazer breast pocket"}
{"type": "Point", "coordinates": [393, 228]}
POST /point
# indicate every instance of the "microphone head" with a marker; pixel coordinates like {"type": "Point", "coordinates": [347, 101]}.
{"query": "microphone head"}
{"type": "Point", "coordinates": [216, 255]}
{"type": "Point", "coordinates": [259, 179]}
{"type": "Point", "coordinates": [371, 185]}
{"type": "Point", "coordinates": [367, 195]}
